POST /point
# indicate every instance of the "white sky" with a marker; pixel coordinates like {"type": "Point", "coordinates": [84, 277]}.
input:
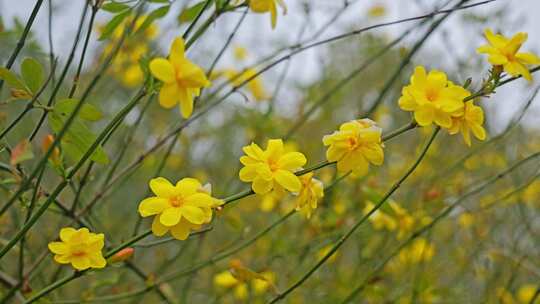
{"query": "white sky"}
{"type": "Point", "coordinates": [258, 37]}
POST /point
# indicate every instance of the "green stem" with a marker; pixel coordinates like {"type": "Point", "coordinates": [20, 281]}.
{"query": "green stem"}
{"type": "Point", "coordinates": [344, 238]}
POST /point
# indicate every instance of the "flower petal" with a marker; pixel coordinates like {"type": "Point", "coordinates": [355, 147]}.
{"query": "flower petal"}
{"type": "Point", "coordinates": [158, 229]}
{"type": "Point", "coordinates": [152, 205]}
{"type": "Point", "coordinates": [162, 187]}
{"type": "Point", "coordinates": [170, 216]}
{"type": "Point", "coordinates": [288, 180]}
{"type": "Point", "coordinates": [163, 70]}
{"type": "Point", "coordinates": [193, 214]}
{"type": "Point", "coordinates": [292, 161]}
{"type": "Point", "coordinates": [67, 233]}
{"type": "Point", "coordinates": [58, 247]}
{"type": "Point", "coordinates": [168, 95]}
{"type": "Point", "coordinates": [261, 185]}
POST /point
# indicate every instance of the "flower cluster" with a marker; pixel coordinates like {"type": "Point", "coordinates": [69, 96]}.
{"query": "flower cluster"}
{"type": "Point", "coordinates": [357, 144]}
{"type": "Point", "coordinates": [81, 248]}
{"type": "Point", "coordinates": [178, 208]}
{"type": "Point", "coordinates": [435, 99]}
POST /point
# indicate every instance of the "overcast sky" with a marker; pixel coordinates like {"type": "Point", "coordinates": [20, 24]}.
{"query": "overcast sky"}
{"type": "Point", "coordinates": [258, 37]}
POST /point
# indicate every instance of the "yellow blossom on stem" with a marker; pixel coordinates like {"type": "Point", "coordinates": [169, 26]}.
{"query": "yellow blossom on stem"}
{"type": "Point", "coordinates": [503, 52]}
{"type": "Point", "coordinates": [470, 119]}
{"type": "Point", "coordinates": [182, 79]}
{"type": "Point", "coordinates": [379, 219]}
{"type": "Point", "coordinates": [432, 98]}
{"type": "Point", "coordinates": [271, 168]}
{"type": "Point", "coordinates": [255, 86]}
{"type": "Point", "coordinates": [312, 191]}
{"type": "Point", "coordinates": [268, 6]}
{"type": "Point", "coordinates": [421, 250]}
{"type": "Point", "coordinates": [354, 146]}
{"type": "Point", "coordinates": [178, 208]}
{"type": "Point", "coordinates": [81, 248]}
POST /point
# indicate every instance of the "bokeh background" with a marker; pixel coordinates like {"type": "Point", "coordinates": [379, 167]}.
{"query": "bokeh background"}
{"type": "Point", "coordinates": [485, 251]}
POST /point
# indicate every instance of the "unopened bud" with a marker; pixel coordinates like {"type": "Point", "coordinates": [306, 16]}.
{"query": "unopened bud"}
{"type": "Point", "coordinates": [122, 255]}
{"type": "Point", "coordinates": [20, 94]}
{"type": "Point", "coordinates": [46, 144]}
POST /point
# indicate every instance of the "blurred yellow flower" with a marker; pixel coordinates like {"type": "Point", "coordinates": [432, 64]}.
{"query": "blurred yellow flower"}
{"type": "Point", "coordinates": [321, 253]}
{"type": "Point", "coordinates": [268, 6]}
{"type": "Point", "coordinates": [271, 168]}
{"type": "Point", "coordinates": [421, 250]}
{"type": "Point", "coordinates": [255, 86]}
{"type": "Point", "coordinates": [432, 98]}
{"type": "Point", "coordinates": [182, 79]}
{"type": "Point", "coordinates": [81, 248]}
{"type": "Point", "coordinates": [526, 293]}
{"type": "Point", "coordinates": [312, 191]}
{"type": "Point", "coordinates": [377, 10]}
{"type": "Point", "coordinates": [238, 277]}
{"type": "Point", "coordinates": [354, 146]}
{"type": "Point", "coordinates": [240, 53]}
{"type": "Point", "coordinates": [470, 119]}
{"type": "Point", "coordinates": [379, 219]}
{"type": "Point", "coordinates": [503, 52]}
{"type": "Point", "coordinates": [178, 208]}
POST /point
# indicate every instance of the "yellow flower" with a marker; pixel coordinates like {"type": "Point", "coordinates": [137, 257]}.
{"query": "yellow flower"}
{"type": "Point", "coordinates": [420, 250]}
{"type": "Point", "coordinates": [271, 168]}
{"type": "Point", "coordinates": [432, 98]}
{"type": "Point", "coordinates": [226, 280]}
{"type": "Point", "coordinates": [377, 10]}
{"type": "Point", "coordinates": [379, 219]}
{"type": "Point", "coordinates": [503, 52]}
{"type": "Point", "coordinates": [526, 293]}
{"type": "Point", "coordinates": [178, 208]}
{"type": "Point", "coordinates": [182, 79]}
{"type": "Point", "coordinates": [240, 53]}
{"type": "Point", "coordinates": [354, 146]}
{"type": "Point", "coordinates": [312, 191]}
{"type": "Point", "coordinates": [264, 6]}
{"type": "Point", "coordinates": [470, 119]}
{"type": "Point", "coordinates": [79, 247]}
{"type": "Point", "coordinates": [255, 86]}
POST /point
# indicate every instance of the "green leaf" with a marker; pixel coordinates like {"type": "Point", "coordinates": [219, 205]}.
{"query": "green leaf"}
{"type": "Point", "coordinates": [155, 14]}
{"type": "Point", "coordinates": [32, 74]}
{"type": "Point", "coordinates": [191, 12]}
{"type": "Point", "coordinates": [88, 112]}
{"type": "Point", "coordinates": [11, 79]}
{"type": "Point", "coordinates": [113, 24]}
{"type": "Point", "coordinates": [158, 1]}
{"type": "Point", "coordinates": [114, 7]}
{"type": "Point", "coordinates": [78, 140]}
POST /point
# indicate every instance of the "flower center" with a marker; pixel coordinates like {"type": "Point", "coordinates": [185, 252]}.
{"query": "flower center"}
{"type": "Point", "coordinates": [273, 165]}
{"type": "Point", "coordinates": [431, 95]}
{"type": "Point", "coordinates": [176, 201]}
{"type": "Point", "coordinates": [353, 143]}
{"type": "Point", "coordinates": [79, 253]}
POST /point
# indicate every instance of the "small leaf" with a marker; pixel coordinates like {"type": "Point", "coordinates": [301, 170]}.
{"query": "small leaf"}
{"type": "Point", "coordinates": [191, 12]}
{"type": "Point", "coordinates": [21, 152]}
{"type": "Point", "coordinates": [114, 7]}
{"type": "Point", "coordinates": [32, 74]}
{"type": "Point", "coordinates": [158, 1]}
{"type": "Point", "coordinates": [155, 14]}
{"type": "Point", "coordinates": [113, 24]}
{"type": "Point", "coordinates": [12, 79]}
{"type": "Point", "coordinates": [77, 140]}
{"type": "Point", "coordinates": [88, 112]}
